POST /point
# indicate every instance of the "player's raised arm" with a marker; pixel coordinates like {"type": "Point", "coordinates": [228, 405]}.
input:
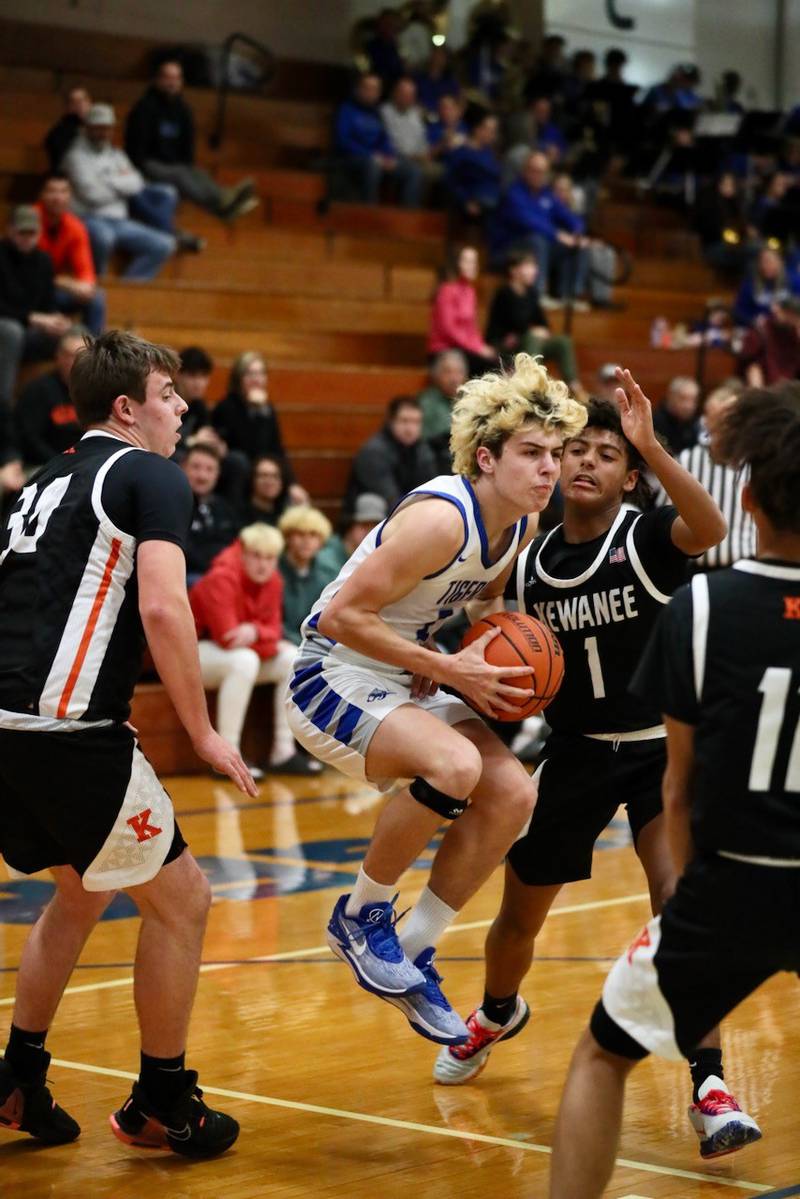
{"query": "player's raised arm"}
{"type": "Point", "coordinates": [699, 523]}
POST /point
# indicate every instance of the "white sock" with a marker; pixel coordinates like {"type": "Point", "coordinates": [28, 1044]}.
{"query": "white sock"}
{"type": "Point", "coordinates": [429, 918]}
{"type": "Point", "coordinates": [366, 890]}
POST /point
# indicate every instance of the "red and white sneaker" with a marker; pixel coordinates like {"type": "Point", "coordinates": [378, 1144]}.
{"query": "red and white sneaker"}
{"type": "Point", "coordinates": [457, 1064]}
{"type": "Point", "coordinates": [719, 1122]}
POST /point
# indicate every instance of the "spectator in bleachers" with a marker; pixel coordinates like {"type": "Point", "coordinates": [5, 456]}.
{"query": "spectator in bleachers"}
{"type": "Point", "coordinates": [486, 56]}
{"type": "Point", "coordinates": [29, 324]}
{"type": "Point", "coordinates": [436, 80]}
{"type": "Point", "coordinates": [771, 350]}
{"type": "Point", "coordinates": [404, 122]}
{"type": "Point", "coordinates": [517, 321]}
{"type": "Point", "coordinates": [550, 71]}
{"type": "Point", "coordinates": [246, 420]}
{"type": "Point", "coordinates": [473, 170]}
{"type": "Point", "coordinates": [365, 151]}
{"type": "Point", "coordinates": [395, 459]}
{"type": "Point", "coordinates": [414, 38]}
{"type": "Point", "coordinates": [45, 418]}
{"type": "Point", "coordinates": [65, 238]}
{"type": "Point", "coordinates": [448, 131]}
{"type": "Point", "coordinates": [723, 227]}
{"type": "Point", "coordinates": [369, 511]}
{"type": "Point", "coordinates": [214, 521]}
{"type": "Point", "coordinates": [602, 258]}
{"type": "Point", "coordinates": [454, 314]}
{"type": "Point", "coordinates": [531, 216]}
{"type": "Point", "coordinates": [531, 127]}
{"type": "Point", "coordinates": [237, 609]}
{"type": "Point", "coordinates": [160, 142]}
{"type": "Point", "coordinates": [60, 137]}
{"type": "Point", "coordinates": [235, 467]}
{"type": "Point", "coordinates": [305, 531]}
{"type": "Point", "coordinates": [612, 100]}
{"type": "Point", "coordinates": [769, 283]}
{"type": "Point", "coordinates": [192, 385]}
{"type": "Point", "coordinates": [728, 91]}
{"type": "Point", "coordinates": [774, 213]}
{"type": "Point", "coordinates": [676, 419]}
{"type": "Point", "coordinates": [269, 491]}
{"type": "Point", "coordinates": [575, 89]}
{"type": "Point", "coordinates": [448, 372]}
{"type": "Point", "coordinates": [382, 49]}
{"type": "Point", "coordinates": [104, 182]}
{"type": "Point", "coordinates": [606, 382]}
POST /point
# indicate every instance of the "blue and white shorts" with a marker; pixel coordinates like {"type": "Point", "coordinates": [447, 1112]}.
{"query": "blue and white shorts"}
{"type": "Point", "coordinates": [335, 708]}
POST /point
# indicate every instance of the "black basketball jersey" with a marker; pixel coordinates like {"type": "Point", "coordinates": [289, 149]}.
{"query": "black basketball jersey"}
{"type": "Point", "coordinates": [601, 598]}
{"type": "Point", "coordinates": [71, 638]}
{"type": "Point", "coordinates": [725, 658]}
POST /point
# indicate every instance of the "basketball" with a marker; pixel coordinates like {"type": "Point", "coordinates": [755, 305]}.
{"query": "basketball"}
{"type": "Point", "coordinates": [523, 641]}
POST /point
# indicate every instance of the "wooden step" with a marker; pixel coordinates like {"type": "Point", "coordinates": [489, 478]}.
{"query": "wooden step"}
{"type": "Point", "coordinates": [131, 303]}
{"type": "Point", "coordinates": [362, 349]}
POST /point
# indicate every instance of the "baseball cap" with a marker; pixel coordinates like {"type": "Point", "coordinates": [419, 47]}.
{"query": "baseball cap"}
{"type": "Point", "coordinates": [101, 114]}
{"type": "Point", "coordinates": [25, 218]}
{"type": "Point", "coordinates": [369, 507]}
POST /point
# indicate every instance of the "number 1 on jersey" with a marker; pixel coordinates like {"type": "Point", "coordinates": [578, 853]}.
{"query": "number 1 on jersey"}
{"type": "Point", "coordinates": [595, 669]}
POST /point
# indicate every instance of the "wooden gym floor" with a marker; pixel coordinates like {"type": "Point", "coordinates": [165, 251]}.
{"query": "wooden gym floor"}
{"type": "Point", "coordinates": [332, 1089]}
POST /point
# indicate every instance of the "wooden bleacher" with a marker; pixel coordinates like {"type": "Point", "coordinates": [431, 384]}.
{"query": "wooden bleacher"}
{"type": "Point", "coordinates": [338, 304]}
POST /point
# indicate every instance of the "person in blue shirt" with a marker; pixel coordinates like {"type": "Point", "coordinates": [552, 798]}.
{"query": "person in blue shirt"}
{"type": "Point", "coordinates": [770, 283]}
{"type": "Point", "coordinates": [382, 49]}
{"type": "Point", "coordinates": [473, 170]}
{"type": "Point", "coordinates": [448, 131]}
{"type": "Point", "coordinates": [436, 80]}
{"type": "Point", "coordinates": [366, 152]}
{"type": "Point", "coordinates": [531, 216]}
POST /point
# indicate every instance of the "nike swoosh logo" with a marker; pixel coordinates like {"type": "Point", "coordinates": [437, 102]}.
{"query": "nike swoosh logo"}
{"type": "Point", "coordinates": [182, 1134]}
{"type": "Point", "coordinates": [358, 947]}
{"type": "Point", "coordinates": [464, 558]}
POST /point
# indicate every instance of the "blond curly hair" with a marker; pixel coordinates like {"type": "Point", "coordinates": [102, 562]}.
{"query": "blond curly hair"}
{"type": "Point", "coordinates": [492, 408]}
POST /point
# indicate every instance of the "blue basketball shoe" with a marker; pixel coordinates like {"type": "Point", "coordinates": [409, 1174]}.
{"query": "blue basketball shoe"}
{"type": "Point", "coordinates": [368, 943]}
{"type": "Point", "coordinates": [427, 1011]}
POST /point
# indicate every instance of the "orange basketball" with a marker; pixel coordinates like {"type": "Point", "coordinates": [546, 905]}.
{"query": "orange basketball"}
{"type": "Point", "coordinates": [523, 641]}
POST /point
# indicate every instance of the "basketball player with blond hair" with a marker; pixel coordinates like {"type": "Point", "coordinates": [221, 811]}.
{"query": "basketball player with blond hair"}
{"type": "Point", "coordinates": [365, 698]}
{"type": "Point", "coordinates": [599, 581]}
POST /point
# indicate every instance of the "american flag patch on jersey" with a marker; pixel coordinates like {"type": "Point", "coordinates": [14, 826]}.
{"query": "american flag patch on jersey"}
{"type": "Point", "coordinates": [617, 554]}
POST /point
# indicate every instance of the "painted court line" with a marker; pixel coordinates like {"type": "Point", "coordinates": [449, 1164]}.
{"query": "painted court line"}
{"type": "Point", "coordinates": [430, 1129]}
{"type": "Point", "coordinates": [112, 983]}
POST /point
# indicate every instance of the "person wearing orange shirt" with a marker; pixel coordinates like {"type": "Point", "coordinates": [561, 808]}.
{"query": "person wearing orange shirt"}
{"type": "Point", "coordinates": [65, 238]}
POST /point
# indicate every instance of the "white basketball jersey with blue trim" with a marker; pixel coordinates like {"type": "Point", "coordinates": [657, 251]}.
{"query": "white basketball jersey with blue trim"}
{"type": "Point", "coordinates": [435, 598]}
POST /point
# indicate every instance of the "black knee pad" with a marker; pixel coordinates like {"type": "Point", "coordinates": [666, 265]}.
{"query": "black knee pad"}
{"type": "Point", "coordinates": [612, 1038]}
{"type": "Point", "coordinates": [438, 802]}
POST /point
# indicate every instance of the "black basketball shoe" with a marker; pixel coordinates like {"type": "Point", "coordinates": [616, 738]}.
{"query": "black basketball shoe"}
{"type": "Point", "coordinates": [29, 1107]}
{"type": "Point", "coordinates": [189, 1127]}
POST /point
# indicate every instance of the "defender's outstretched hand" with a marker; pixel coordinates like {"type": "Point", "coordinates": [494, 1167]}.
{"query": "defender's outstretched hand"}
{"type": "Point", "coordinates": [636, 411]}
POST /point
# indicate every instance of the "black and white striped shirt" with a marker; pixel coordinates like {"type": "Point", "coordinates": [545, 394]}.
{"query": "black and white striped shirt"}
{"type": "Point", "coordinates": [724, 485]}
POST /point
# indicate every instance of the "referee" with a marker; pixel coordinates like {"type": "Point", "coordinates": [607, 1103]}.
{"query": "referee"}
{"type": "Point", "coordinates": [722, 482]}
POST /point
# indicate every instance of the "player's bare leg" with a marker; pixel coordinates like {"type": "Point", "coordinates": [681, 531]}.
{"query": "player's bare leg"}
{"type": "Point", "coordinates": [411, 743]}
{"type": "Point", "coordinates": [592, 1101]}
{"type": "Point", "coordinates": [509, 952]}
{"type": "Point", "coordinates": [174, 908]}
{"type": "Point", "coordinates": [48, 959]}
{"type": "Point", "coordinates": [501, 802]}
{"type": "Point", "coordinates": [165, 1109]}
{"type": "Point", "coordinates": [53, 947]}
{"type": "Point", "coordinates": [454, 764]}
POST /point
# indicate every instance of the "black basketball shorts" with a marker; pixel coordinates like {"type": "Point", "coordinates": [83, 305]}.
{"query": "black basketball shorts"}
{"type": "Point", "coordinates": [90, 800]}
{"type": "Point", "coordinates": [728, 928]}
{"type": "Point", "coordinates": [582, 782]}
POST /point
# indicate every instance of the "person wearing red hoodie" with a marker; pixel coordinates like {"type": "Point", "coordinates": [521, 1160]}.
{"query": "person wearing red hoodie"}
{"type": "Point", "coordinates": [454, 315]}
{"type": "Point", "coordinates": [238, 613]}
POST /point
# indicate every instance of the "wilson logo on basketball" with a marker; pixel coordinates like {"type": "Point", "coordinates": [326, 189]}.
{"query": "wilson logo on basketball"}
{"type": "Point", "coordinates": [529, 635]}
{"type": "Point", "coordinates": [140, 823]}
{"type": "Point", "coordinates": [791, 607]}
